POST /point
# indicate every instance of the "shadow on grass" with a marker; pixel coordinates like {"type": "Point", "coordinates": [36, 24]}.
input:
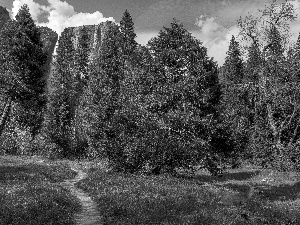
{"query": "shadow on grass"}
{"type": "Point", "coordinates": [134, 199]}
{"type": "Point", "coordinates": [278, 193]}
{"type": "Point", "coordinates": [35, 172]}
{"type": "Point", "coordinates": [28, 195]}
{"type": "Point", "coordinates": [266, 192]}
{"type": "Point", "coordinates": [235, 176]}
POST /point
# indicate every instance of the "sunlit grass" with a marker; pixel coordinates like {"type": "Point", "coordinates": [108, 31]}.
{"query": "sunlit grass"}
{"type": "Point", "coordinates": [29, 195]}
{"type": "Point", "coordinates": [137, 199]}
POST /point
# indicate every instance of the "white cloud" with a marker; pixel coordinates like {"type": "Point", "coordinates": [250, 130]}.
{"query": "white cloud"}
{"type": "Point", "coordinates": [143, 37]}
{"type": "Point", "coordinates": [215, 37]}
{"type": "Point", "coordinates": [59, 14]}
{"type": "Point", "coordinates": [295, 26]}
{"type": "Point", "coordinates": [35, 9]}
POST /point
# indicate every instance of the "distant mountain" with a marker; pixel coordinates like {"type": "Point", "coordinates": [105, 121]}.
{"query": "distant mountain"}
{"type": "Point", "coordinates": [96, 34]}
{"type": "Point", "coordinates": [4, 16]}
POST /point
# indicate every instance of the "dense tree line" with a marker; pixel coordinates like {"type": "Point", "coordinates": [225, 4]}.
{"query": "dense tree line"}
{"type": "Point", "coordinates": [161, 106]}
{"type": "Point", "coordinates": [21, 75]}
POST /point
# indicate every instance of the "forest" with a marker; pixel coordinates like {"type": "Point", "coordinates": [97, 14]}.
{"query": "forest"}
{"type": "Point", "coordinates": [158, 107]}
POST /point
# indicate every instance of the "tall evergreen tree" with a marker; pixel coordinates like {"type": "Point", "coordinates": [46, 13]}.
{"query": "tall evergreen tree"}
{"type": "Point", "coordinates": [233, 65]}
{"type": "Point", "coordinates": [103, 95]}
{"type": "Point", "coordinates": [60, 107]}
{"type": "Point", "coordinates": [293, 60]}
{"type": "Point", "coordinates": [297, 50]}
{"type": "Point", "coordinates": [82, 55]}
{"type": "Point", "coordinates": [127, 29]}
{"type": "Point", "coordinates": [274, 56]}
{"type": "Point", "coordinates": [253, 63]}
{"type": "Point", "coordinates": [111, 64]}
{"type": "Point", "coordinates": [21, 61]}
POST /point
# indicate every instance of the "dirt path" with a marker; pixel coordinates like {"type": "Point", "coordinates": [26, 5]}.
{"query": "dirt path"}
{"type": "Point", "coordinates": [89, 214]}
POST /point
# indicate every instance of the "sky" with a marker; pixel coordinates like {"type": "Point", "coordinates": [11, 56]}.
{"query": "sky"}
{"type": "Point", "coordinates": [213, 22]}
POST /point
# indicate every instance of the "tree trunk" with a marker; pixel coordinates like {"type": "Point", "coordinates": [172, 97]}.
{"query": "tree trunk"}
{"type": "Point", "coordinates": [5, 114]}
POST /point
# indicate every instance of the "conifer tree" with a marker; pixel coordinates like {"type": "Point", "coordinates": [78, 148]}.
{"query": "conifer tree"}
{"type": "Point", "coordinates": [111, 64]}
{"type": "Point", "coordinates": [253, 63]}
{"type": "Point", "coordinates": [60, 107]}
{"type": "Point", "coordinates": [103, 93]}
{"type": "Point", "coordinates": [82, 55]}
{"type": "Point", "coordinates": [127, 29]}
{"type": "Point", "coordinates": [275, 59]}
{"type": "Point", "coordinates": [21, 61]}
{"type": "Point", "coordinates": [233, 65]}
{"type": "Point", "coordinates": [294, 60]}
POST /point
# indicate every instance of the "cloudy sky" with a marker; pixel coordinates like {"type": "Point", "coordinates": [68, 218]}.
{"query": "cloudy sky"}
{"type": "Point", "coordinates": [211, 21]}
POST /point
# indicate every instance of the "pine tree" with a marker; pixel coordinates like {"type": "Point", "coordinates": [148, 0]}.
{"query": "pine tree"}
{"type": "Point", "coordinates": [127, 30]}
{"type": "Point", "coordinates": [253, 63]}
{"type": "Point", "coordinates": [275, 59]}
{"type": "Point", "coordinates": [233, 65]}
{"type": "Point", "coordinates": [64, 61]}
{"type": "Point", "coordinates": [103, 93]}
{"type": "Point", "coordinates": [275, 49]}
{"type": "Point", "coordinates": [61, 102]}
{"type": "Point", "coordinates": [293, 60]}
{"type": "Point", "coordinates": [21, 61]}
{"type": "Point", "coordinates": [297, 49]}
{"type": "Point", "coordinates": [82, 55]}
{"type": "Point", "coordinates": [111, 64]}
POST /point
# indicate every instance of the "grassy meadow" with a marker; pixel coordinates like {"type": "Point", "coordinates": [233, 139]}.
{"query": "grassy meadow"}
{"type": "Point", "coordinates": [203, 199]}
{"type": "Point", "coordinates": [29, 193]}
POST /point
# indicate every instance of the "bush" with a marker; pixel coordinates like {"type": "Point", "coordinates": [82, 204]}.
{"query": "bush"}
{"type": "Point", "coordinates": [42, 145]}
{"type": "Point", "coordinates": [8, 144]}
{"type": "Point", "coordinates": [287, 159]}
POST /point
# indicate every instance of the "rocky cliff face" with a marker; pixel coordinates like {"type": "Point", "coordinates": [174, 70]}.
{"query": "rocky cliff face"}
{"type": "Point", "coordinates": [96, 35]}
{"type": "Point", "coordinates": [4, 16]}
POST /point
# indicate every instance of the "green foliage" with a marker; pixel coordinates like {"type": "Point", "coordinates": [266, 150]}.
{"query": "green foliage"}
{"type": "Point", "coordinates": [144, 115]}
{"type": "Point", "coordinates": [275, 106]}
{"type": "Point", "coordinates": [60, 106]}
{"type": "Point", "coordinates": [183, 97]}
{"type": "Point", "coordinates": [21, 74]}
{"type": "Point", "coordinates": [100, 101]}
{"type": "Point", "coordinates": [127, 30]}
{"type": "Point", "coordinates": [22, 57]}
{"type": "Point", "coordinates": [293, 61]}
{"type": "Point", "coordinates": [82, 55]}
{"type": "Point", "coordinates": [4, 17]}
{"type": "Point", "coordinates": [253, 63]}
{"type": "Point", "coordinates": [234, 69]}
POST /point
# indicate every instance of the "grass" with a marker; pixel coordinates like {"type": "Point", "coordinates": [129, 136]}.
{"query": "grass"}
{"type": "Point", "coordinates": [29, 193]}
{"type": "Point", "coordinates": [137, 199]}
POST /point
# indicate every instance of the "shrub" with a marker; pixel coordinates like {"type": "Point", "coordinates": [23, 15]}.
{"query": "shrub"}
{"type": "Point", "coordinates": [8, 144]}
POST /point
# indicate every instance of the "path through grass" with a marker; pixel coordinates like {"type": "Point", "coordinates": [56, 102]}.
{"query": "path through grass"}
{"type": "Point", "coordinates": [137, 199]}
{"type": "Point", "coordinates": [29, 193]}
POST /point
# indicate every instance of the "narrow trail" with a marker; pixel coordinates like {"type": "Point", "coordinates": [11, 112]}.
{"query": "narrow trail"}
{"type": "Point", "coordinates": [89, 215]}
